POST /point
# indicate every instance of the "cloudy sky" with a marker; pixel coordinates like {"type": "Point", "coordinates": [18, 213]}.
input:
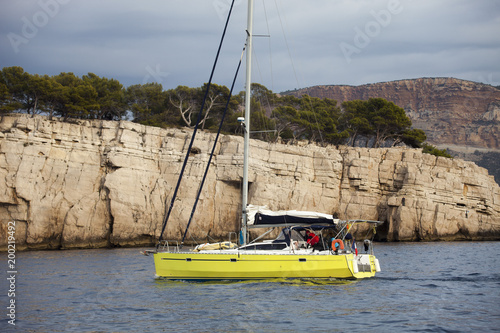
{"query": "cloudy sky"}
{"type": "Point", "coordinates": [313, 42]}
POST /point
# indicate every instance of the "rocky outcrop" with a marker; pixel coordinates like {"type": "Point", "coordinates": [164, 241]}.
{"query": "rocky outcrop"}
{"type": "Point", "coordinates": [100, 183]}
{"type": "Point", "coordinates": [460, 115]}
{"type": "Point", "coordinates": [450, 111]}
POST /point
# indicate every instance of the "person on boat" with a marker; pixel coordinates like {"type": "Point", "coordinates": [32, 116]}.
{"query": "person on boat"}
{"type": "Point", "coordinates": [311, 238]}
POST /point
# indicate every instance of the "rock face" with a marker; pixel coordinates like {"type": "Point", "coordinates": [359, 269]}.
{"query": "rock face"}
{"type": "Point", "coordinates": [461, 115]}
{"type": "Point", "coordinates": [450, 111]}
{"type": "Point", "coordinates": [98, 183]}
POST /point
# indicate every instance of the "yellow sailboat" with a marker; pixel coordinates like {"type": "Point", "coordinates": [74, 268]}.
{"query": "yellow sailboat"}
{"type": "Point", "coordinates": [234, 265]}
{"type": "Point", "coordinates": [310, 244]}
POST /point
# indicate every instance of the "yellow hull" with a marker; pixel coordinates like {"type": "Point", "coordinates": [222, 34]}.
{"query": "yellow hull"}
{"type": "Point", "coordinates": [242, 266]}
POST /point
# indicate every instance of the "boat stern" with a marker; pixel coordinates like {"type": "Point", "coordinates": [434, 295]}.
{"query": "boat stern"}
{"type": "Point", "coordinates": [365, 265]}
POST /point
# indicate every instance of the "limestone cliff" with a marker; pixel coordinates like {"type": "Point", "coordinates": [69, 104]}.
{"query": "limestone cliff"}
{"type": "Point", "coordinates": [100, 183]}
{"type": "Point", "coordinates": [460, 115]}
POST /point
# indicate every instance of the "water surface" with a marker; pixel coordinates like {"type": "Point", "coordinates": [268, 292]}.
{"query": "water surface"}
{"type": "Point", "coordinates": [423, 287]}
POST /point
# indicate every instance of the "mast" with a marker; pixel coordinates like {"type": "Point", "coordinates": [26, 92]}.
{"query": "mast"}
{"type": "Point", "coordinates": [248, 87]}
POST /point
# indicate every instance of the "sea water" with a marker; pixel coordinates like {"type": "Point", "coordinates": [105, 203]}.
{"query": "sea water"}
{"type": "Point", "coordinates": [423, 287]}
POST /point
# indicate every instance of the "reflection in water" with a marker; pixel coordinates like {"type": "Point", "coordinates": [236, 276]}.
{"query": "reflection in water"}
{"type": "Point", "coordinates": [284, 281]}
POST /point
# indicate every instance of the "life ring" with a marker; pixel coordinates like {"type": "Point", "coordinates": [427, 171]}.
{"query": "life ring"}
{"type": "Point", "coordinates": [340, 242]}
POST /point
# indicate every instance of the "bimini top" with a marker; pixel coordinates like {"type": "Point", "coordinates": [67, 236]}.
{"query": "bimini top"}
{"type": "Point", "coordinates": [261, 217]}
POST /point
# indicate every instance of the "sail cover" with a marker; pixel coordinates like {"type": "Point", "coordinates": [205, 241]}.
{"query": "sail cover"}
{"type": "Point", "coordinates": [261, 217]}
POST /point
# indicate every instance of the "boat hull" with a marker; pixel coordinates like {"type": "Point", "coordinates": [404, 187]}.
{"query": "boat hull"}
{"type": "Point", "coordinates": [244, 266]}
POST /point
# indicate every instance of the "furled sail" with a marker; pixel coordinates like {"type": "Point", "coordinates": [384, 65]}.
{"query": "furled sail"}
{"type": "Point", "coordinates": [261, 217]}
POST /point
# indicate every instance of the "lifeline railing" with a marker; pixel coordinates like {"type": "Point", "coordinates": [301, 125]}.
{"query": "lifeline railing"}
{"type": "Point", "coordinates": [165, 244]}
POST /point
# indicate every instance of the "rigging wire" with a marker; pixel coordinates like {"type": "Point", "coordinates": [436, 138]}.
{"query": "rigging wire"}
{"type": "Point", "coordinates": [295, 72]}
{"type": "Point", "coordinates": [265, 105]}
{"type": "Point", "coordinates": [165, 221]}
{"type": "Point", "coordinates": [213, 147]}
{"type": "Point", "coordinates": [270, 49]}
{"type": "Point", "coordinates": [286, 42]}
{"type": "Point", "coordinates": [264, 100]}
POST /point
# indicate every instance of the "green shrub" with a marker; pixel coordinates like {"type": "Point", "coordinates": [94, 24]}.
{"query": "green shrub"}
{"type": "Point", "coordinates": [430, 149]}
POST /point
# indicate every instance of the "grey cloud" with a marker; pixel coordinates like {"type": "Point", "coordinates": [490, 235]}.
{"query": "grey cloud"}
{"type": "Point", "coordinates": [127, 39]}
